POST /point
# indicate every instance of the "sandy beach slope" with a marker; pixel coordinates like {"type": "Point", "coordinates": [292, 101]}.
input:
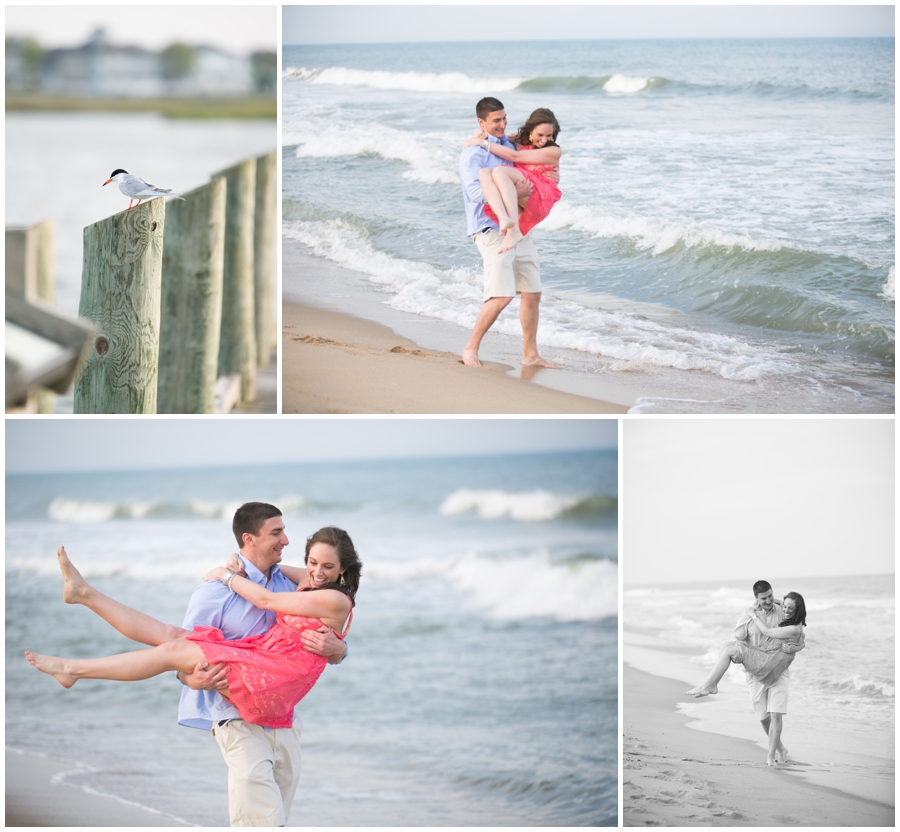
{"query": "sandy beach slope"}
{"type": "Point", "coordinates": [36, 797]}
{"type": "Point", "coordinates": [337, 363]}
{"type": "Point", "coordinates": [674, 775]}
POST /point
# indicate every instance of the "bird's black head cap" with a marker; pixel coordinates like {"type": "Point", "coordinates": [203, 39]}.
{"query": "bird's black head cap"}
{"type": "Point", "coordinates": [117, 170]}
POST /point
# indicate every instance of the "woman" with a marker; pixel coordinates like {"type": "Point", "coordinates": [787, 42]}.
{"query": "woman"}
{"type": "Point", "coordinates": [537, 153]}
{"type": "Point", "coordinates": [768, 661]}
{"type": "Point", "coordinates": [267, 674]}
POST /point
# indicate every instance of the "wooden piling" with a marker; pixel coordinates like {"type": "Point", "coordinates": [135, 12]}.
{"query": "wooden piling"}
{"type": "Point", "coordinates": [265, 256]}
{"type": "Point", "coordinates": [30, 275]}
{"type": "Point", "coordinates": [120, 293]}
{"type": "Point", "coordinates": [191, 303]}
{"type": "Point", "coordinates": [237, 343]}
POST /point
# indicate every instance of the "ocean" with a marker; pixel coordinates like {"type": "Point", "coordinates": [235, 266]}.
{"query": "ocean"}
{"type": "Point", "coordinates": [842, 684]}
{"type": "Point", "coordinates": [725, 239]}
{"type": "Point", "coordinates": [481, 686]}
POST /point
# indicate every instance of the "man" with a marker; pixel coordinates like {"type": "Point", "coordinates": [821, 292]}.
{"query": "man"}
{"type": "Point", "coordinates": [263, 764]}
{"type": "Point", "coordinates": [506, 274]}
{"type": "Point", "coordinates": [770, 703]}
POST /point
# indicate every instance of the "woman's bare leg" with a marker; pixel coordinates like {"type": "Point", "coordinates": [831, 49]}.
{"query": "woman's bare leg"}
{"type": "Point", "coordinates": [505, 179]}
{"type": "Point", "coordinates": [133, 624]}
{"type": "Point", "coordinates": [179, 654]}
{"type": "Point", "coordinates": [495, 199]}
{"type": "Point", "coordinates": [715, 676]}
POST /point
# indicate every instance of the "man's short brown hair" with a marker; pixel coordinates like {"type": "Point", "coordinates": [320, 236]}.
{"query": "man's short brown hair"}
{"type": "Point", "coordinates": [249, 518]}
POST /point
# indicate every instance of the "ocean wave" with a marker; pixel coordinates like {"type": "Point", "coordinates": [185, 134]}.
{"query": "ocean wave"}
{"type": "Point", "coordinates": [530, 506]}
{"type": "Point", "coordinates": [522, 588]}
{"type": "Point", "coordinates": [857, 684]}
{"type": "Point", "coordinates": [888, 291]}
{"type": "Point", "coordinates": [454, 295]}
{"type": "Point", "coordinates": [431, 157]}
{"type": "Point", "coordinates": [68, 510]}
{"type": "Point", "coordinates": [445, 82]}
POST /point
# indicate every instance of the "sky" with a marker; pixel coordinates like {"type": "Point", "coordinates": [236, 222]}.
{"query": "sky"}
{"type": "Point", "coordinates": [49, 445]}
{"type": "Point", "coordinates": [737, 499]}
{"type": "Point", "coordinates": [237, 29]}
{"type": "Point", "coordinates": [423, 23]}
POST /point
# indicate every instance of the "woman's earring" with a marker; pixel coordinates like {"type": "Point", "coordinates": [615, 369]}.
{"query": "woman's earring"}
{"type": "Point", "coordinates": [343, 582]}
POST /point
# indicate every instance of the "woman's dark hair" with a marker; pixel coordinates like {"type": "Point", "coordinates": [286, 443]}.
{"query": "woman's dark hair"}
{"type": "Point", "coordinates": [799, 616]}
{"type": "Point", "coordinates": [540, 116]}
{"type": "Point", "coordinates": [351, 565]}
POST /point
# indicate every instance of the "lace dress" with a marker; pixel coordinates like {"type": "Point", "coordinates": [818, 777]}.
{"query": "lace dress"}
{"type": "Point", "coordinates": [766, 662]}
{"type": "Point", "coordinates": [269, 673]}
{"type": "Point", "coordinates": [545, 195]}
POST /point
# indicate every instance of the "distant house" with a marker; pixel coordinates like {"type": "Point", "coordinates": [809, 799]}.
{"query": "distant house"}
{"type": "Point", "coordinates": [99, 69]}
{"type": "Point", "coordinates": [102, 70]}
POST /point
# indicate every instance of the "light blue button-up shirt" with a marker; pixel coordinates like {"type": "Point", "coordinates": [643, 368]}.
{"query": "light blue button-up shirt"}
{"type": "Point", "coordinates": [214, 605]}
{"type": "Point", "coordinates": [472, 160]}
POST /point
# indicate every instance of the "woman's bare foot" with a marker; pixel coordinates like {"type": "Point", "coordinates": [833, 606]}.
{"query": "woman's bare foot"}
{"type": "Point", "coordinates": [513, 238]}
{"type": "Point", "coordinates": [53, 667]}
{"type": "Point", "coordinates": [506, 223]}
{"type": "Point", "coordinates": [702, 690]}
{"type": "Point", "coordinates": [76, 588]}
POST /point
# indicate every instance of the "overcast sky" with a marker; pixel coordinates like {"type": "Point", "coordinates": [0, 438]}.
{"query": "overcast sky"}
{"type": "Point", "coordinates": [522, 21]}
{"type": "Point", "coordinates": [732, 499]}
{"type": "Point", "coordinates": [238, 29]}
{"type": "Point", "coordinates": [36, 445]}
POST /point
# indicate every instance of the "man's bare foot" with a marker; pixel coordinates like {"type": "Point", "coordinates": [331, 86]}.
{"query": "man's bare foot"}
{"type": "Point", "coordinates": [53, 667]}
{"type": "Point", "coordinates": [513, 238]}
{"type": "Point", "coordinates": [76, 588]}
{"type": "Point", "coordinates": [537, 361]}
{"type": "Point", "coordinates": [781, 755]}
{"type": "Point", "coordinates": [702, 690]}
{"type": "Point", "coordinates": [771, 761]}
{"type": "Point", "coordinates": [470, 358]}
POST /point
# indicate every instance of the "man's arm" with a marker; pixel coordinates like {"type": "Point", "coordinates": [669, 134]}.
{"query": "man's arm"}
{"type": "Point", "coordinates": [323, 642]}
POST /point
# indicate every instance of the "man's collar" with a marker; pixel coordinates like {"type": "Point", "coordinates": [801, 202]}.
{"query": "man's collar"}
{"type": "Point", "coordinates": [257, 576]}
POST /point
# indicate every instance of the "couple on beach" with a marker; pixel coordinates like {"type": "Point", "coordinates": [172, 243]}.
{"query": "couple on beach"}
{"type": "Point", "coordinates": [509, 185]}
{"type": "Point", "coordinates": [257, 635]}
{"type": "Point", "coordinates": [766, 637]}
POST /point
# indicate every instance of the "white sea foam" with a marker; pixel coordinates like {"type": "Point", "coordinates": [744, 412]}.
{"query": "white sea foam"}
{"type": "Point", "coordinates": [444, 82]}
{"type": "Point", "coordinates": [652, 234]}
{"type": "Point", "coordinates": [625, 84]}
{"type": "Point", "coordinates": [888, 291]}
{"type": "Point", "coordinates": [455, 295]}
{"type": "Point", "coordinates": [431, 157]}
{"type": "Point", "coordinates": [81, 511]}
{"type": "Point", "coordinates": [533, 506]}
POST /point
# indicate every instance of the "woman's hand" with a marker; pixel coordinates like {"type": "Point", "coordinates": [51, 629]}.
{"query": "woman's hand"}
{"type": "Point", "coordinates": [477, 138]}
{"type": "Point", "coordinates": [217, 574]}
{"type": "Point", "coordinates": [234, 564]}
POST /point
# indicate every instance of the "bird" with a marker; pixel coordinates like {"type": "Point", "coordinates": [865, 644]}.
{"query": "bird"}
{"type": "Point", "coordinates": [136, 188]}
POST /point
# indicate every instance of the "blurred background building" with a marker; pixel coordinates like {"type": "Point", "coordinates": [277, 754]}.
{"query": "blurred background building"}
{"type": "Point", "coordinates": [101, 69]}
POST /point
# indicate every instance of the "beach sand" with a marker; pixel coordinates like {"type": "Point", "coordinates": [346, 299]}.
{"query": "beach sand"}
{"type": "Point", "coordinates": [674, 775]}
{"type": "Point", "coordinates": [36, 797]}
{"type": "Point", "coordinates": [342, 354]}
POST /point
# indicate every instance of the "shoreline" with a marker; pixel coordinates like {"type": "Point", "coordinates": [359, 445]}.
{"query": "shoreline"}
{"type": "Point", "coordinates": [337, 359]}
{"type": "Point", "coordinates": [676, 775]}
{"type": "Point", "coordinates": [37, 795]}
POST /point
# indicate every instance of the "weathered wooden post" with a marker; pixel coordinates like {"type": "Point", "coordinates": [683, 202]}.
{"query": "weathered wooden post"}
{"type": "Point", "coordinates": [264, 256]}
{"type": "Point", "coordinates": [30, 275]}
{"type": "Point", "coordinates": [237, 343]}
{"type": "Point", "coordinates": [120, 290]}
{"type": "Point", "coordinates": [191, 304]}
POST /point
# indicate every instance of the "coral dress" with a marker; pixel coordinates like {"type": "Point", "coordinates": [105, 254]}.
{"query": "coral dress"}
{"type": "Point", "coordinates": [269, 673]}
{"type": "Point", "coordinates": [545, 195]}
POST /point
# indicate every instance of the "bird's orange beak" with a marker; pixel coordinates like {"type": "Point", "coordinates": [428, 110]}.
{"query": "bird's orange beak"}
{"type": "Point", "coordinates": [106, 183]}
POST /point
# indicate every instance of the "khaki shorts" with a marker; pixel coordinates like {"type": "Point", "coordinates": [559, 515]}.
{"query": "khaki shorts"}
{"type": "Point", "coordinates": [263, 770]}
{"type": "Point", "coordinates": [512, 272]}
{"type": "Point", "coordinates": [771, 700]}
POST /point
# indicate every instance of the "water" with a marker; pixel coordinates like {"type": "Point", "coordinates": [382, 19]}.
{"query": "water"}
{"type": "Point", "coordinates": [481, 687]}
{"type": "Point", "coordinates": [726, 231]}
{"type": "Point", "coordinates": [56, 164]}
{"type": "Point", "coordinates": [842, 683]}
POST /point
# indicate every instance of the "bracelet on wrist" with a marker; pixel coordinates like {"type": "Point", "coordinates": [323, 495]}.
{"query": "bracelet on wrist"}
{"type": "Point", "coordinates": [229, 579]}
